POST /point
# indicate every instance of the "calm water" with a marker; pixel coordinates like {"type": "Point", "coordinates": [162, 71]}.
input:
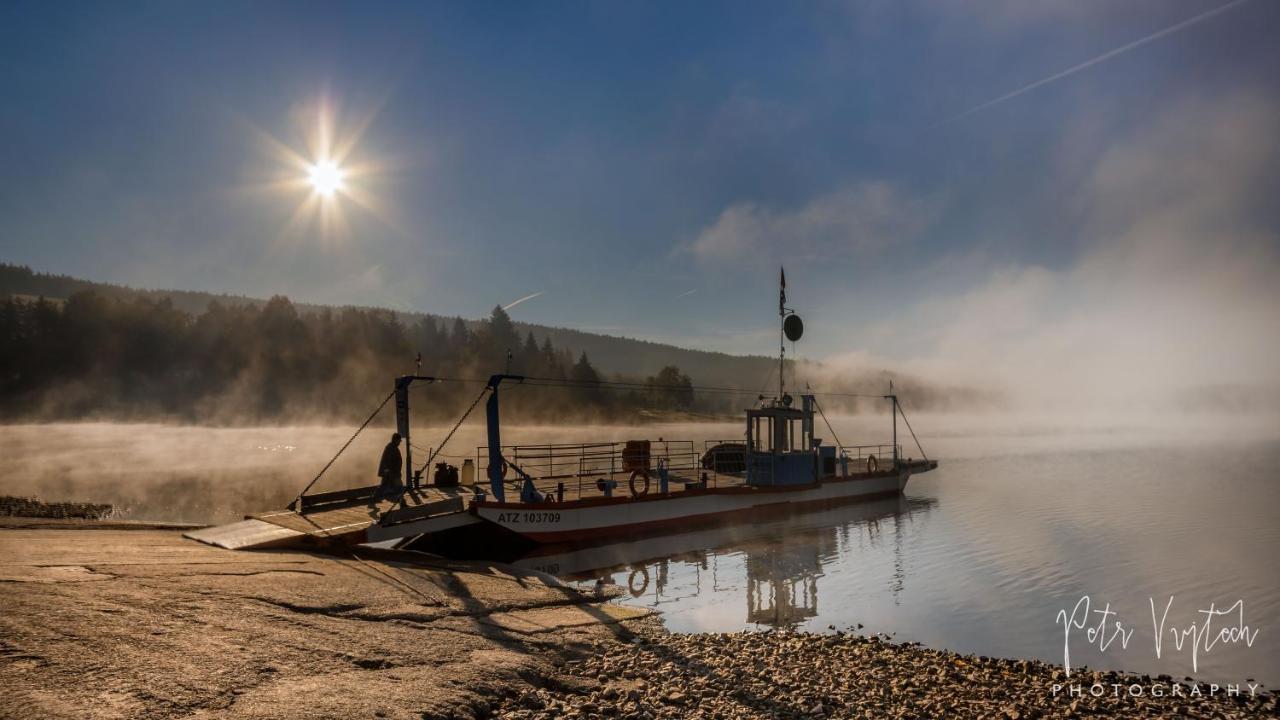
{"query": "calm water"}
{"type": "Point", "coordinates": [1023, 518]}
{"type": "Point", "coordinates": [981, 554]}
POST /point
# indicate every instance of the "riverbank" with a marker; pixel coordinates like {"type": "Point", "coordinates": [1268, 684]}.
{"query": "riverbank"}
{"type": "Point", "coordinates": [31, 507]}
{"type": "Point", "coordinates": [103, 620]}
{"type": "Point", "coordinates": [802, 675]}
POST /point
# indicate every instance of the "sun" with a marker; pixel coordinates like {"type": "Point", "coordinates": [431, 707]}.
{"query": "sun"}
{"type": "Point", "coordinates": [331, 181]}
{"type": "Point", "coordinates": [326, 178]}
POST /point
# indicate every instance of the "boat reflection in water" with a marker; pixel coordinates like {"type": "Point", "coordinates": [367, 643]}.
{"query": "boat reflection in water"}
{"type": "Point", "coordinates": [774, 564]}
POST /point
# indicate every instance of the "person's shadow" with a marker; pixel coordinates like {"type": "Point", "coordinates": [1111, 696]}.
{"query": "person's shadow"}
{"type": "Point", "coordinates": [406, 494]}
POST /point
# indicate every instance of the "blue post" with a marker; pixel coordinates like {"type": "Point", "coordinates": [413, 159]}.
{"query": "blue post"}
{"type": "Point", "coordinates": [495, 445]}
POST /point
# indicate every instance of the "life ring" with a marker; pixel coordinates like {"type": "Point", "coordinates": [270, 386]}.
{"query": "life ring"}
{"type": "Point", "coordinates": [872, 465]}
{"type": "Point", "coordinates": [643, 572]}
{"type": "Point", "coordinates": [639, 473]}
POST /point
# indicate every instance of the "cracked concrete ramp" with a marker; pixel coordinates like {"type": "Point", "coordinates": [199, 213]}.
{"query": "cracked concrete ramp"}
{"type": "Point", "coordinates": [143, 625]}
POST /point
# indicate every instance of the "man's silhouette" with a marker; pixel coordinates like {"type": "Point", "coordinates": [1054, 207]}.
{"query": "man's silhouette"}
{"type": "Point", "coordinates": [389, 469]}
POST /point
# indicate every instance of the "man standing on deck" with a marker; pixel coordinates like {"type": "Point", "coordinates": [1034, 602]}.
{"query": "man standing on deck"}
{"type": "Point", "coordinates": [389, 470]}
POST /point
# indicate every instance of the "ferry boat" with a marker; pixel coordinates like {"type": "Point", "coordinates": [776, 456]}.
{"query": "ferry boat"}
{"type": "Point", "coordinates": [641, 486]}
{"type": "Point", "coordinates": [556, 493]}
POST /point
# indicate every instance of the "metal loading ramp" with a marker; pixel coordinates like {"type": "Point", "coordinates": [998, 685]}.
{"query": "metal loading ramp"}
{"type": "Point", "coordinates": [348, 516]}
{"type": "Point", "coordinates": [245, 534]}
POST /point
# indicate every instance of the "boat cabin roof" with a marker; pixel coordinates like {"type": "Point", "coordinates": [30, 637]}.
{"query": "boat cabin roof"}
{"type": "Point", "coordinates": [777, 411]}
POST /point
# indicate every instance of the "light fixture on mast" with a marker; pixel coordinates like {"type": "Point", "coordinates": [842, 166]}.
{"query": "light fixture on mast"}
{"type": "Point", "coordinates": [791, 329]}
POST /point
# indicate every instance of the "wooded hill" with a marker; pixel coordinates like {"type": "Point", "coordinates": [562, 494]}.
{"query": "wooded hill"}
{"type": "Point", "coordinates": [73, 348]}
{"type": "Point", "coordinates": [614, 355]}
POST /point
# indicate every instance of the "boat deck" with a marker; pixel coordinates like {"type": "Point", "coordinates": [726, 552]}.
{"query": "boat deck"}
{"type": "Point", "coordinates": [355, 511]}
{"type": "Point", "coordinates": [351, 513]}
{"type": "Point", "coordinates": [356, 515]}
{"type": "Point", "coordinates": [586, 488]}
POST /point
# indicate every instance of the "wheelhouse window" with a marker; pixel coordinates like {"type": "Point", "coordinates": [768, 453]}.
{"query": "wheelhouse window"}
{"type": "Point", "coordinates": [776, 433]}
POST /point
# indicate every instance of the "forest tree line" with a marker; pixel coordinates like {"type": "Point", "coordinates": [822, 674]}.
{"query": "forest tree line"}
{"type": "Point", "coordinates": [141, 358]}
{"type": "Point", "coordinates": [631, 357]}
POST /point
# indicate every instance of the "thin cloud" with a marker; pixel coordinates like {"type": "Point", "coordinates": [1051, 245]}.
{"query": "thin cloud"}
{"type": "Point", "coordinates": [686, 293]}
{"type": "Point", "coordinates": [1099, 59]}
{"type": "Point", "coordinates": [858, 218]}
{"type": "Point", "coordinates": [523, 299]}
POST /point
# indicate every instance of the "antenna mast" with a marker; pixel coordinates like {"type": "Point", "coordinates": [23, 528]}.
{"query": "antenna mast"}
{"type": "Point", "coordinates": [791, 328]}
{"type": "Point", "coordinates": [892, 396]}
{"type": "Point", "coordinates": [782, 317]}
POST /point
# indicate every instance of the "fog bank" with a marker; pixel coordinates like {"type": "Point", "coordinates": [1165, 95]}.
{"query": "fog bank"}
{"type": "Point", "coordinates": [1170, 300]}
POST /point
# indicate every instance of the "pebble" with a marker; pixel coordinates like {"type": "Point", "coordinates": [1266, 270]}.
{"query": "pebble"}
{"type": "Point", "coordinates": [784, 674]}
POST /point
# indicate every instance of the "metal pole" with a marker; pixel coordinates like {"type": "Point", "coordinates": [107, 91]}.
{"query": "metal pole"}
{"type": "Point", "coordinates": [782, 353]}
{"type": "Point", "coordinates": [895, 431]}
{"type": "Point", "coordinates": [782, 342]}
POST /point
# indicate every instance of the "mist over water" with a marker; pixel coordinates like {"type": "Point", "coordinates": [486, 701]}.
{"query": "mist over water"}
{"type": "Point", "coordinates": [197, 474]}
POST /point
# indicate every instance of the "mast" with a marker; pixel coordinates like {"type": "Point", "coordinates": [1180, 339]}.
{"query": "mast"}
{"type": "Point", "coordinates": [782, 317]}
{"type": "Point", "coordinates": [893, 396]}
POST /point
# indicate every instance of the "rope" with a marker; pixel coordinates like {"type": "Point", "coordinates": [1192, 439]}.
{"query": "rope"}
{"type": "Point", "coordinates": [437, 453]}
{"type": "Point", "coordinates": [824, 419]}
{"type": "Point", "coordinates": [345, 445]}
{"type": "Point", "coordinates": [456, 425]}
{"type": "Point", "coordinates": [913, 432]}
{"type": "Point", "coordinates": [767, 379]}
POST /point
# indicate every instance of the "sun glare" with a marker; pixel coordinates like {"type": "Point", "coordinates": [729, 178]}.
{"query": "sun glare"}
{"type": "Point", "coordinates": [326, 178]}
{"type": "Point", "coordinates": [327, 172]}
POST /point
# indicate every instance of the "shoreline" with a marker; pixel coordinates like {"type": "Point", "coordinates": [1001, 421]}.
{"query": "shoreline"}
{"type": "Point", "coordinates": [787, 674]}
{"type": "Point", "coordinates": [105, 621]}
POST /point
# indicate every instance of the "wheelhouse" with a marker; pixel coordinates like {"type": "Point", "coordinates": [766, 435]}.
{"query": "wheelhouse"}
{"type": "Point", "coordinates": [780, 443]}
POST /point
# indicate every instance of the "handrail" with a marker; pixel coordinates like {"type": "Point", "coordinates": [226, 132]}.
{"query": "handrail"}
{"type": "Point", "coordinates": [552, 464]}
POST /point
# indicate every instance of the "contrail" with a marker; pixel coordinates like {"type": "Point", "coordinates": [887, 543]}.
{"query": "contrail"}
{"type": "Point", "coordinates": [1101, 58]}
{"type": "Point", "coordinates": [526, 297]}
{"type": "Point", "coordinates": [686, 293]}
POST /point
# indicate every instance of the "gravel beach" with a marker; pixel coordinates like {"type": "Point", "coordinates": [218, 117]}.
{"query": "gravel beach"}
{"type": "Point", "coordinates": [801, 675]}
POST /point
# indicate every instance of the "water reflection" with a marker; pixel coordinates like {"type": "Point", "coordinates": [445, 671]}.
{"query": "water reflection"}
{"type": "Point", "coordinates": [773, 565]}
{"type": "Point", "coordinates": [782, 583]}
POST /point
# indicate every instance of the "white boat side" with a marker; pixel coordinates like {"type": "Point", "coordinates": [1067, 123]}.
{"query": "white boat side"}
{"type": "Point", "coordinates": [554, 522]}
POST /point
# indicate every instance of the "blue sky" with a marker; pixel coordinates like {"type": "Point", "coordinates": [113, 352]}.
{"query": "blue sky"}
{"type": "Point", "coordinates": [616, 156]}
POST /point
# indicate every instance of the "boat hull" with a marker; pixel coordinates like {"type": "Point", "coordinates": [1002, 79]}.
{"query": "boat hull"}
{"type": "Point", "coordinates": [553, 522]}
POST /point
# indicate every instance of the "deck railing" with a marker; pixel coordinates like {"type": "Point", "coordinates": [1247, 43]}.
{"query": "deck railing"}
{"type": "Point", "coordinates": [862, 453]}
{"type": "Point", "coordinates": [572, 471]}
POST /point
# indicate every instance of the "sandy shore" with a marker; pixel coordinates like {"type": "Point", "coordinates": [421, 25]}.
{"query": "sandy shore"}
{"type": "Point", "coordinates": [104, 620]}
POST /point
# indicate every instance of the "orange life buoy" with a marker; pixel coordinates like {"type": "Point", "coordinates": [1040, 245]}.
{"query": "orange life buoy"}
{"type": "Point", "coordinates": [643, 474]}
{"type": "Point", "coordinates": [643, 572]}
